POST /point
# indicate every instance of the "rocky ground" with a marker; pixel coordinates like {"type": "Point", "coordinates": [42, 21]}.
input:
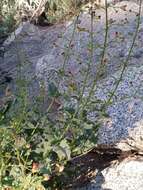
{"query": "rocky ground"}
{"type": "Point", "coordinates": [42, 51]}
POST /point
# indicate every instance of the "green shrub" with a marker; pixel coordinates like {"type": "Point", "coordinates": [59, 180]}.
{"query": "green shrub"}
{"type": "Point", "coordinates": [36, 147]}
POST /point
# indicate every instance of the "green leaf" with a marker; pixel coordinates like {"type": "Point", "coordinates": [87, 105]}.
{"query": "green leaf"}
{"type": "Point", "coordinates": [88, 126]}
{"type": "Point", "coordinates": [20, 142]}
{"type": "Point", "coordinates": [63, 150]}
{"type": "Point", "coordinates": [66, 147]}
{"type": "Point", "coordinates": [7, 180]}
{"type": "Point", "coordinates": [15, 171]}
{"type": "Point", "coordinates": [44, 170]}
{"type": "Point", "coordinates": [70, 110]}
{"type": "Point", "coordinates": [53, 90]}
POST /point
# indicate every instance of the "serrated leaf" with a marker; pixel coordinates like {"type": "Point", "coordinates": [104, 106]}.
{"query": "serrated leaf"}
{"type": "Point", "coordinates": [66, 147]}
{"type": "Point", "coordinates": [63, 150]}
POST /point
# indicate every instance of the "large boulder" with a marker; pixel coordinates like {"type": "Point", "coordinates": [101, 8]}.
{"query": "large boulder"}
{"type": "Point", "coordinates": [43, 52]}
{"type": "Point", "coordinates": [75, 52]}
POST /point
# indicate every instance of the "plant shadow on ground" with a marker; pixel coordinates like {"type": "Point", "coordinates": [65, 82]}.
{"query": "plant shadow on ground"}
{"type": "Point", "coordinates": [83, 169]}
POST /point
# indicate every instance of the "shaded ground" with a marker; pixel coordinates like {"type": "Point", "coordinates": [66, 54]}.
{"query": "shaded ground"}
{"type": "Point", "coordinates": [82, 169]}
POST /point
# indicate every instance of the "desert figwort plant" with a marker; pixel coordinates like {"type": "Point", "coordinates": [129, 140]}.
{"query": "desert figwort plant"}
{"type": "Point", "coordinates": [36, 145]}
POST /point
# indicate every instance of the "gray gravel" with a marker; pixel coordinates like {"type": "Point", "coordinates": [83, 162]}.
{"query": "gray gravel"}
{"type": "Point", "coordinates": [127, 107]}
